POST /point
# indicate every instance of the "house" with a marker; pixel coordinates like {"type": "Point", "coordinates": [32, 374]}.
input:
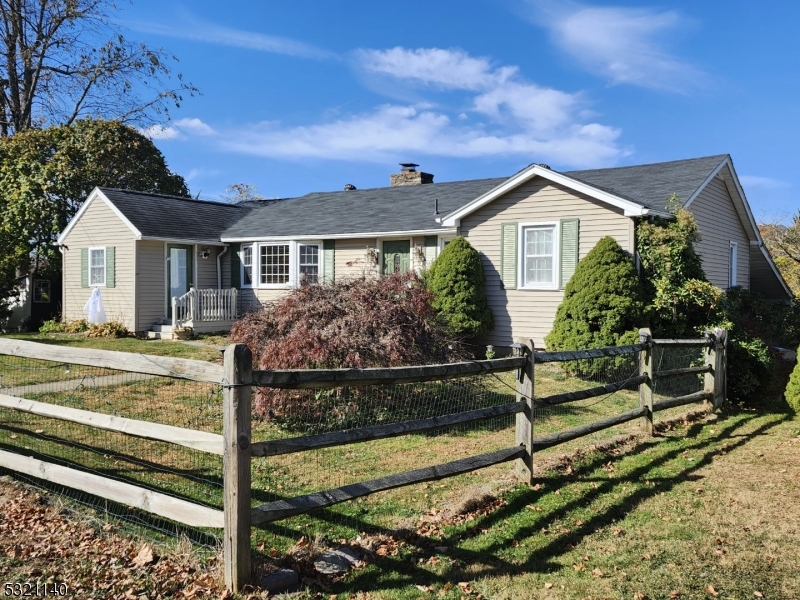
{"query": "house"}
{"type": "Point", "coordinates": [160, 259]}
{"type": "Point", "coordinates": [38, 300]}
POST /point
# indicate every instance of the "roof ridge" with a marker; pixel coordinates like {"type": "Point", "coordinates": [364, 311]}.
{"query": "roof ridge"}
{"type": "Point", "coordinates": [664, 162]}
{"type": "Point", "coordinates": [171, 196]}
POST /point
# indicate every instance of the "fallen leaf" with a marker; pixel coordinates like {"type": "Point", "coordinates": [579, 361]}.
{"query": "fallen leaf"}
{"type": "Point", "coordinates": [758, 594]}
{"type": "Point", "coordinates": [548, 585]}
{"type": "Point", "coordinates": [674, 594]}
{"type": "Point", "coordinates": [597, 573]}
{"type": "Point", "coordinates": [710, 589]}
{"type": "Point", "coordinates": [145, 556]}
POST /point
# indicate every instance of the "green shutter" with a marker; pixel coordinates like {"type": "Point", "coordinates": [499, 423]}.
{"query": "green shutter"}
{"type": "Point", "coordinates": [508, 255]}
{"type": "Point", "coordinates": [84, 267]}
{"type": "Point", "coordinates": [570, 229]}
{"type": "Point", "coordinates": [109, 266]}
{"type": "Point", "coordinates": [236, 266]}
{"type": "Point", "coordinates": [431, 243]}
{"type": "Point", "coordinates": [328, 260]}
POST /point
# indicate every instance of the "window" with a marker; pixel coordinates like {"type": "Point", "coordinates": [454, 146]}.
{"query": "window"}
{"type": "Point", "coordinates": [274, 264]}
{"type": "Point", "coordinates": [247, 266]}
{"type": "Point", "coordinates": [732, 264]}
{"type": "Point", "coordinates": [41, 291]}
{"type": "Point", "coordinates": [97, 266]}
{"type": "Point", "coordinates": [308, 263]}
{"type": "Point", "coordinates": [539, 257]}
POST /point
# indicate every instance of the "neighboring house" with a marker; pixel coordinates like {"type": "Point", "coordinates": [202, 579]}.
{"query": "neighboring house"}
{"type": "Point", "coordinates": [39, 299]}
{"type": "Point", "coordinates": [531, 229]}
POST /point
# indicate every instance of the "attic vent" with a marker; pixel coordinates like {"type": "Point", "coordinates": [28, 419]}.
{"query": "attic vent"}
{"type": "Point", "coordinates": [544, 166]}
{"type": "Point", "coordinates": [349, 187]}
{"type": "Point", "coordinates": [409, 175]}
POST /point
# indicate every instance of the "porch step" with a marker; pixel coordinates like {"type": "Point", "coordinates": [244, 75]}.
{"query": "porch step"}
{"type": "Point", "coordinates": [160, 332]}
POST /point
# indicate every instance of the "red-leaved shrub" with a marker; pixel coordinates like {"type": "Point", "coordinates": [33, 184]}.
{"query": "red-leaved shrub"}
{"type": "Point", "coordinates": [353, 323]}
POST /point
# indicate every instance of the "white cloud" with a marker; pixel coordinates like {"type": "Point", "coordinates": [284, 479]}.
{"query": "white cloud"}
{"type": "Point", "coordinates": [194, 125]}
{"type": "Point", "coordinates": [159, 132]}
{"type": "Point", "coordinates": [767, 183]}
{"type": "Point", "coordinates": [514, 117]}
{"type": "Point", "coordinates": [450, 69]}
{"type": "Point", "coordinates": [189, 27]}
{"type": "Point", "coordinates": [623, 44]}
{"type": "Point", "coordinates": [390, 130]}
{"type": "Point", "coordinates": [178, 129]}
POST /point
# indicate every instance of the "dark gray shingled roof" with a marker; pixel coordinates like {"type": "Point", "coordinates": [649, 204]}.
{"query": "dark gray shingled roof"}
{"type": "Point", "coordinates": [650, 185]}
{"type": "Point", "coordinates": [173, 217]}
{"type": "Point", "coordinates": [403, 208]}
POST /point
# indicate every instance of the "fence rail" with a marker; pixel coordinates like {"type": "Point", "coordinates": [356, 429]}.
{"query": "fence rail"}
{"type": "Point", "coordinates": [238, 448]}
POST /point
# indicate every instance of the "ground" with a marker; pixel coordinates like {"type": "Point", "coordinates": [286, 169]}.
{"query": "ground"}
{"type": "Point", "coordinates": [703, 510]}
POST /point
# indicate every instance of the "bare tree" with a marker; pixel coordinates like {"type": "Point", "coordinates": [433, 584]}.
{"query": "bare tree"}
{"type": "Point", "coordinates": [63, 59]}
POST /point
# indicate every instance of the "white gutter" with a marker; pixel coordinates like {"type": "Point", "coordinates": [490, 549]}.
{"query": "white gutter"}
{"type": "Point", "coordinates": [219, 266]}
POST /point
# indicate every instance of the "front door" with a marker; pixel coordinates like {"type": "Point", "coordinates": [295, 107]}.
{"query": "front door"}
{"type": "Point", "coordinates": [180, 272]}
{"type": "Point", "coordinates": [396, 257]}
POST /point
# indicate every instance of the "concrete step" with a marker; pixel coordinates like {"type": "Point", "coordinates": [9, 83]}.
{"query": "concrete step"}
{"type": "Point", "coordinates": [162, 328]}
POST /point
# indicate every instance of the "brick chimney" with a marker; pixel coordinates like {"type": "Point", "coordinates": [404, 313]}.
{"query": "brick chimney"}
{"type": "Point", "coordinates": [409, 175]}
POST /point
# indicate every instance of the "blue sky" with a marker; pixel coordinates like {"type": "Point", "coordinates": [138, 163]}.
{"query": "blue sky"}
{"type": "Point", "coordinates": [308, 96]}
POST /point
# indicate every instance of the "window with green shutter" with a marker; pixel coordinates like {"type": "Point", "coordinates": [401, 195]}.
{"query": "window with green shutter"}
{"type": "Point", "coordinates": [508, 255]}
{"type": "Point", "coordinates": [329, 260]}
{"type": "Point", "coordinates": [98, 267]}
{"type": "Point", "coordinates": [84, 267]}
{"type": "Point", "coordinates": [570, 234]}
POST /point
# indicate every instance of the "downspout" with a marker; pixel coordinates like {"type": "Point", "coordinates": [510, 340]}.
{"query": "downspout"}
{"type": "Point", "coordinates": [219, 267]}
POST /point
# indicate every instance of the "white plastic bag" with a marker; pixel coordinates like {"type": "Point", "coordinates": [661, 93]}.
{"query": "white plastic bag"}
{"type": "Point", "coordinates": [94, 308]}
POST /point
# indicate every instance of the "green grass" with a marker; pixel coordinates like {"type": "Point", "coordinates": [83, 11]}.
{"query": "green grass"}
{"type": "Point", "coordinates": [128, 344]}
{"type": "Point", "coordinates": [704, 505]}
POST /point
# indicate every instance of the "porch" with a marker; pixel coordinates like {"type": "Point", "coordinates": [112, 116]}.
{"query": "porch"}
{"type": "Point", "coordinates": [202, 310]}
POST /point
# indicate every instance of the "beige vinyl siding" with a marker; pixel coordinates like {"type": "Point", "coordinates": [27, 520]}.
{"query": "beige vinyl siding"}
{"type": "Point", "coordinates": [529, 314]}
{"type": "Point", "coordinates": [763, 278]}
{"type": "Point", "coordinates": [255, 298]}
{"type": "Point", "coordinates": [206, 267]}
{"type": "Point", "coordinates": [150, 284]}
{"type": "Point", "coordinates": [99, 226]}
{"type": "Point", "coordinates": [418, 259]}
{"type": "Point", "coordinates": [350, 258]}
{"type": "Point", "coordinates": [719, 226]}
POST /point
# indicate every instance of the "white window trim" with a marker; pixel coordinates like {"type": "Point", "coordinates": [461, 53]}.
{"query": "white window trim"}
{"type": "Point", "coordinates": [89, 266]}
{"type": "Point", "coordinates": [254, 272]}
{"type": "Point", "coordinates": [733, 263]}
{"type": "Point", "coordinates": [521, 255]}
{"type": "Point", "coordinates": [443, 239]}
{"type": "Point", "coordinates": [294, 260]}
{"type": "Point", "coordinates": [257, 267]}
{"type": "Point", "coordinates": [294, 263]}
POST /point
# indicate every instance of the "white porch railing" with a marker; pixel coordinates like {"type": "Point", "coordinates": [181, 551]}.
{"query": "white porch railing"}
{"type": "Point", "coordinates": [204, 306]}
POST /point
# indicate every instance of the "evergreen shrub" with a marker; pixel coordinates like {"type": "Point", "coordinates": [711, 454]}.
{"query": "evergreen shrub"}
{"type": "Point", "coordinates": [602, 303]}
{"type": "Point", "coordinates": [455, 279]}
{"type": "Point", "coordinates": [793, 388]}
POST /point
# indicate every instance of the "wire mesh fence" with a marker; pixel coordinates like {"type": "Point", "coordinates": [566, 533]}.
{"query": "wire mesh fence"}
{"type": "Point", "coordinates": [282, 414]}
{"type": "Point", "coordinates": [159, 466]}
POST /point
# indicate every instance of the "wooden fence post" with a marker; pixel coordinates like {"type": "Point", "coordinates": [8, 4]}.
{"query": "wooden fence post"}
{"type": "Point", "coordinates": [646, 387]}
{"type": "Point", "coordinates": [525, 418]}
{"type": "Point", "coordinates": [710, 360]}
{"type": "Point", "coordinates": [237, 399]}
{"type": "Point", "coordinates": [720, 367]}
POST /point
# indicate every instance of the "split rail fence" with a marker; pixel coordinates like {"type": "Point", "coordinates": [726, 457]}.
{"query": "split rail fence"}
{"type": "Point", "coordinates": [237, 447]}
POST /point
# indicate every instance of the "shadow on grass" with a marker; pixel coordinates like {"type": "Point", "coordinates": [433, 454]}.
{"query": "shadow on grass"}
{"type": "Point", "coordinates": [398, 572]}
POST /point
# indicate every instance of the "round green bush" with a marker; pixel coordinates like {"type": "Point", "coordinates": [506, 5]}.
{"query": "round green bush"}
{"type": "Point", "coordinates": [455, 279]}
{"type": "Point", "coordinates": [793, 388]}
{"type": "Point", "coordinates": [602, 303]}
